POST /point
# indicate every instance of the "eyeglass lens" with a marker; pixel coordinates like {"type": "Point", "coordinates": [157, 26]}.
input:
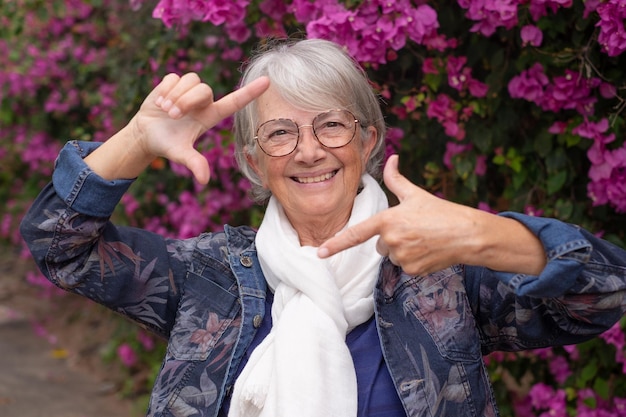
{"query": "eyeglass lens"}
{"type": "Point", "coordinates": [333, 129]}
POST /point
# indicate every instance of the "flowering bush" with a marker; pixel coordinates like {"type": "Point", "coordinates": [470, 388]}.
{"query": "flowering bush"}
{"type": "Point", "coordinates": [502, 105]}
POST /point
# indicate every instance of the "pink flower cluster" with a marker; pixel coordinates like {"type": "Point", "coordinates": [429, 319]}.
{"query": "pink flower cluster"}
{"type": "Point", "coordinates": [369, 32]}
{"type": "Point", "coordinates": [127, 355]}
{"type": "Point", "coordinates": [492, 14]}
{"type": "Point", "coordinates": [230, 13]}
{"type": "Point", "coordinates": [615, 336]}
{"type": "Point", "coordinates": [489, 15]}
{"type": "Point", "coordinates": [217, 12]}
{"type": "Point", "coordinates": [37, 83]}
{"type": "Point", "coordinates": [450, 114]}
{"type": "Point", "coordinates": [608, 166]}
{"type": "Point", "coordinates": [574, 92]}
{"type": "Point", "coordinates": [194, 211]}
{"type": "Point", "coordinates": [612, 34]}
{"type": "Point", "coordinates": [567, 92]}
{"type": "Point", "coordinates": [551, 402]}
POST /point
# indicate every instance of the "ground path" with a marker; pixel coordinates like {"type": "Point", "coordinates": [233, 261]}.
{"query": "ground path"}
{"type": "Point", "coordinates": [37, 378]}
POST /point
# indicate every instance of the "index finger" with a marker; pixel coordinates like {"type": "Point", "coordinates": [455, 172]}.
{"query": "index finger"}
{"type": "Point", "coordinates": [237, 100]}
{"type": "Point", "coordinates": [351, 237]}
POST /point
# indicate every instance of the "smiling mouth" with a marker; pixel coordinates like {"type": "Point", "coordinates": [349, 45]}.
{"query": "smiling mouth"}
{"type": "Point", "coordinates": [319, 178]}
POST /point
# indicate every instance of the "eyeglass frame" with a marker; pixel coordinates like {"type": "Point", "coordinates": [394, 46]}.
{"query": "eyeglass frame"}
{"type": "Point", "coordinates": [298, 127]}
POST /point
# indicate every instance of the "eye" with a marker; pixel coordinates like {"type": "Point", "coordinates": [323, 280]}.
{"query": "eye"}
{"type": "Point", "coordinates": [275, 133]}
{"type": "Point", "coordinates": [278, 130]}
{"type": "Point", "coordinates": [331, 126]}
{"type": "Point", "coordinates": [332, 123]}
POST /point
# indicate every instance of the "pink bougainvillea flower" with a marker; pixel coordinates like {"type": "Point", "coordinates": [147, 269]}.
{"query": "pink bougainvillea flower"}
{"type": "Point", "coordinates": [612, 36]}
{"type": "Point", "coordinates": [531, 35]}
{"type": "Point", "coordinates": [560, 369]}
{"type": "Point", "coordinates": [530, 84]}
{"type": "Point", "coordinates": [453, 149]}
{"type": "Point", "coordinates": [571, 91]}
{"type": "Point", "coordinates": [533, 211]}
{"type": "Point", "coordinates": [127, 355]}
{"type": "Point", "coordinates": [477, 88]}
{"type": "Point", "coordinates": [558, 128]}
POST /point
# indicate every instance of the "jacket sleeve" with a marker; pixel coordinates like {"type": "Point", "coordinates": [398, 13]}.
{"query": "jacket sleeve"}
{"type": "Point", "coordinates": [580, 293]}
{"type": "Point", "coordinates": [68, 232]}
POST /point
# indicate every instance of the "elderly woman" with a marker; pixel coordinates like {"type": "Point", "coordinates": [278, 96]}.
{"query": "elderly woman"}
{"type": "Point", "coordinates": [338, 305]}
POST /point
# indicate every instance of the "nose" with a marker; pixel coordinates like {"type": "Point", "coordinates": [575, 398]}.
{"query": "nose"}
{"type": "Point", "coordinates": [309, 149]}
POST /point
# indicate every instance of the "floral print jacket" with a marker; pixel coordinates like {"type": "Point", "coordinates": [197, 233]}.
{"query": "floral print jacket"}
{"type": "Point", "coordinates": [206, 296]}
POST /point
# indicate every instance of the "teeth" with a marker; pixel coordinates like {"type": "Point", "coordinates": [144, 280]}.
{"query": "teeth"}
{"type": "Point", "coordinates": [319, 178]}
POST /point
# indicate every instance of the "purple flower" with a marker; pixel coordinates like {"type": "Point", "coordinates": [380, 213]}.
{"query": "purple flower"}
{"type": "Point", "coordinates": [146, 340]}
{"type": "Point", "coordinates": [453, 149]}
{"type": "Point", "coordinates": [612, 36]}
{"type": "Point", "coordinates": [485, 207]}
{"type": "Point", "coordinates": [559, 368]}
{"type": "Point", "coordinates": [477, 88]}
{"type": "Point", "coordinates": [533, 211]}
{"type": "Point", "coordinates": [608, 175]}
{"type": "Point", "coordinates": [532, 35]}
{"type": "Point", "coordinates": [558, 128]}
{"type": "Point", "coordinates": [490, 14]}
{"type": "Point", "coordinates": [539, 8]}
{"type": "Point", "coordinates": [530, 84]}
{"type": "Point", "coordinates": [620, 406]}
{"type": "Point", "coordinates": [540, 395]}
{"type": "Point", "coordinates": [615, 336]}
{"type": "Point", "coordinates": [392, 141]}
{"type": "Point", "coordinates": [570, 91]}
{"type": "Point", "coordinates": [275, 9]}
{"type": "Point", "coordinates": [217, 12]}
{"type": "Point", "coordinates": [591, 130]}
{"type": "Point", "coordinates": [422, 22]}
{"type": "Point", "coordinates": [305, 10]}
{"type": "Point", "coordinates": [456, 74]}
{"type": "Point", "coordinates": [481, 165]}
{"type": "Point", "coordinates": [127, 355]}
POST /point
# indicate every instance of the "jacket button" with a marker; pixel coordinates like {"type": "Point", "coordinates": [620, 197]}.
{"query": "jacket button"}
{"type": "Point", "coordinates": [246, 261]}
{"type": "Point", "coordinates": [257, 320]}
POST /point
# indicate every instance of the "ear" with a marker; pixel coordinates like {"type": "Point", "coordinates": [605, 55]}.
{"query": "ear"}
{"type": "Point", "coordinates": [253, 160]}
{"type": "Point", "coordinates": [368, 143]}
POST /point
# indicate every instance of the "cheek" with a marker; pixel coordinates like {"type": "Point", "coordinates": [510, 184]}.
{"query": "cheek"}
{"type": "Point", "coordinates": [261, 166]}
{"type": "Point", "coordinates": [271, 173]}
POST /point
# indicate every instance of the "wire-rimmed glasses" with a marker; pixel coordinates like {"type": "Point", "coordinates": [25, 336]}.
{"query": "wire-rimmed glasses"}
{"type": "Point", "coordinates": [333, 129]}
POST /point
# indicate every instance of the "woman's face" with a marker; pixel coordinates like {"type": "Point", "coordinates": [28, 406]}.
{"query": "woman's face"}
{"type": "Point", "coordinates": [313, 182]}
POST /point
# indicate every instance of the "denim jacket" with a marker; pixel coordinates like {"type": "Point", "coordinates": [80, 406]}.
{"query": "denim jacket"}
{"type": "Point", "coordinates": [206, 295]}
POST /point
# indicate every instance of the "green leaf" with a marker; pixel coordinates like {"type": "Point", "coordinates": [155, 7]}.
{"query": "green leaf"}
{"type": "Point", "coordinates": [602, 388]}
{"type": "Point", "coordinates": [463, 167]}
{"type": "Point", "coordinates": [588, 373]}
{"type": "Point", "coordinates": [556, 182]}
{"type": "Point", "coordinates": [563, 209]}
{"type": "Point", "coordinates": [499, 160]}
{"type": "Point", "coordinates": [433, 81]}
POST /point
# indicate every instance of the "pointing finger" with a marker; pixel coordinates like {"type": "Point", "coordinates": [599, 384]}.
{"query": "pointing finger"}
{"type": "Point", "coordinates": [235, 101]}
{"type": "Point", "coordinates": [350, 237]}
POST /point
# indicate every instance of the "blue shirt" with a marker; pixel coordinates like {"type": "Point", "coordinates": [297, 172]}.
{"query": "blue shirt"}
{"type": "Point", "coordinates": [377, 396]}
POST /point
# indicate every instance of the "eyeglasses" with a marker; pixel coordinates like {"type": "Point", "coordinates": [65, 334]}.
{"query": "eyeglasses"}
{"type": "Point", "coordinates": [333, 129]}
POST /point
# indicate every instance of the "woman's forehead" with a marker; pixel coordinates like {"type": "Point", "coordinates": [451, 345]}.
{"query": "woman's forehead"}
{"type": "Point", "coordinates": [273, 105]}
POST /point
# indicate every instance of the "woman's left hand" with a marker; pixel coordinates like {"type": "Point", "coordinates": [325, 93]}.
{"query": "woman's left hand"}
{"type": "Point", "coordinates": [425, 233]}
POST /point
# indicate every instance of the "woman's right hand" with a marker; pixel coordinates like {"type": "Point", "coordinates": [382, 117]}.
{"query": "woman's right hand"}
{"type": "Point", "coordinates": [170, 120]}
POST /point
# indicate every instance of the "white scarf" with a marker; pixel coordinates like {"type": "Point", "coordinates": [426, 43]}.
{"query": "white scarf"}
{"type": "Point", "coordinates": [303, 367]}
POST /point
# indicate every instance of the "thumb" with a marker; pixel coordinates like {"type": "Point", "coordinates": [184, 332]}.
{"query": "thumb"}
{"type": "Point", "coordinates": [196, 163]}
{"type": "Point", "coordinates": [396, 182]}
